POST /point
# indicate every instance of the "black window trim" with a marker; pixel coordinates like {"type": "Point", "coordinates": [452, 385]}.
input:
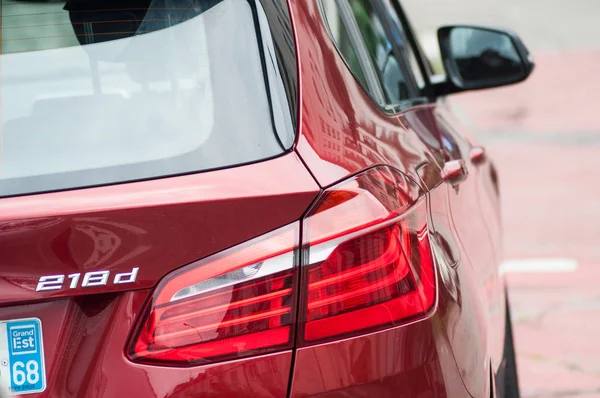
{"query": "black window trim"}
{"type": "Point", "coordinates": [280, 25]}
{"type": "Point", "coordinates": [375, 90]}
{"type": "Point", "coordinates": [397, 50]}
{"type": "Point", "coordinates": [373, 79]}
{"type": "Point", "coordinates": [424, 65]}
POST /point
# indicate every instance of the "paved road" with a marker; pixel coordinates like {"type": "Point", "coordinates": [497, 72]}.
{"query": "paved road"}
{"type": "Point", "coordinates": [544, 136]}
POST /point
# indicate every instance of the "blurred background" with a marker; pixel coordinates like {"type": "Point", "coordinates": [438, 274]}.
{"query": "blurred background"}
{"type": "Point", "coordinates": [544, 136]}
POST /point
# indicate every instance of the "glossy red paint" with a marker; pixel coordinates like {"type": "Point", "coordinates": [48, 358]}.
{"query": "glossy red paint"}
{"type": "Point", "coordinates": [344, 132]}
{"type": "Point", "coordinates": [164, 224]}
{"type": "Point", "coordinates": [157, 225]}
{"type": "Point", "coordinates": [84, 340]}
{"type": "Point", "coordinates": [407, 361]}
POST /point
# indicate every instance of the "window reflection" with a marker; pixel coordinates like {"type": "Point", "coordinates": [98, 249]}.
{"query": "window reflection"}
{"type": "Point", "coordinates": [108, 91]}
{"type": "Point", "coordinates": [32, 26]}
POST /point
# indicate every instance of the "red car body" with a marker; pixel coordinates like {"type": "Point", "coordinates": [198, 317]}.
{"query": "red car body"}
{"type": "Point", "coordinates": [455, 349]}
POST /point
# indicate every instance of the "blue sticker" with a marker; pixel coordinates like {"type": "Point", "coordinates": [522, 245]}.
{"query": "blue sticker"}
{"type": "Point", "coordinates": [26, 356]}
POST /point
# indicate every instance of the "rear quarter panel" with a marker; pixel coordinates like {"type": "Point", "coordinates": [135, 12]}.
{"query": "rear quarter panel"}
{"type": "Point", "coordinates": [342, 132]}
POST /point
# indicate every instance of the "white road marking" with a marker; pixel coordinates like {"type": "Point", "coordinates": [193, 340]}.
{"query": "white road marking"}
{"type": "Point", "coordinates": [538, 266]}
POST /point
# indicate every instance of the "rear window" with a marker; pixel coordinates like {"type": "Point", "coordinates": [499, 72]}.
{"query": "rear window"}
{"type": "Point", "coordinates": [97, 92]}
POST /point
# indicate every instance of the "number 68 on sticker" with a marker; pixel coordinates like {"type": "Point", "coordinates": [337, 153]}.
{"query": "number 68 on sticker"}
{"type": "Point", "coordinates": [25, 372]}
{"type": "Point", "coordinates": [22, 356]}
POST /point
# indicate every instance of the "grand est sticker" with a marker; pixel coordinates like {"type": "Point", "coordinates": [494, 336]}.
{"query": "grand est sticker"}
{"type": "Point", "coordinates": [22, 367]}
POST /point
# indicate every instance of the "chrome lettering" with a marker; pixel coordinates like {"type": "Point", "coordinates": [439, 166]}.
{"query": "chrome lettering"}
{"type": "Point", "coordinates": [89, 279]}
{"type": "Point", "coordinates": [126, 277]}
{"type": "Point", "coordinates": [51, 282]}
{"type": "Point", "coordinates": [95, 278]}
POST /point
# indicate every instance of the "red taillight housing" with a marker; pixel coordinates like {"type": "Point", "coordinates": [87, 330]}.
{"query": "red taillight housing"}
{"type": "Point", "coordinates": [366, 265]}
{"type": "Point", "coordinates": [368, 262]}
{"type": "Point", "coordinates": [237, 303]}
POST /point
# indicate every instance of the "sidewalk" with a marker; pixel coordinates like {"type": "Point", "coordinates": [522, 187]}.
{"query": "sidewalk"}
{"type": "Point", "coordinates": [544, 136]}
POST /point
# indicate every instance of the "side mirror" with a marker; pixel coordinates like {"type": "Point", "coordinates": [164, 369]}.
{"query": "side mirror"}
{"type": "Point", "coordinates": [478, 57]}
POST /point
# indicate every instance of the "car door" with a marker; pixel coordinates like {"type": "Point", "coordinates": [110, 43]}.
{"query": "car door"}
{"type": "Point", "coordinates": [458, 210]}
{"type": "Point", "coordinates": [484, 197]}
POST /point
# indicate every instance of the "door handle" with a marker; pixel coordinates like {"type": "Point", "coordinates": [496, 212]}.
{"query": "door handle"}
{"type": "Point", "coordinates": [478, 155]}
{"type": "Point", "coordinates": [455, 172]}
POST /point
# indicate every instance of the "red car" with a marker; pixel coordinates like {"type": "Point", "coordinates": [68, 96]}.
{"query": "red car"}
{"type": "Point", "coordinates": [247, 198]}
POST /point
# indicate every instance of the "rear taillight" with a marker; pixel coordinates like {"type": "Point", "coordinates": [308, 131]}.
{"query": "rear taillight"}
{"type": "Point", "coordinates": [368, 262]}
{"type": "Point", "coordinates": [366, 265]}
{"type": "Point", "coordinates": [237, 303]}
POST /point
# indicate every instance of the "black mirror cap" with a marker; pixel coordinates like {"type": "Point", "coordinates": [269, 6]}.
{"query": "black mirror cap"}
{"type": "Point", "coordinates": [455, 83]}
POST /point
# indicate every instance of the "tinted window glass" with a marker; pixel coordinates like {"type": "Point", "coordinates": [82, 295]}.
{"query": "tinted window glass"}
{"type": "Point", "coordinates": [402, 42]}
{"type": "Point", "coordinates": [380, 50]}
{"type": "Point", "coordinates": [340, 35]}
{"type": "Point", "coordinates": [103, 91]}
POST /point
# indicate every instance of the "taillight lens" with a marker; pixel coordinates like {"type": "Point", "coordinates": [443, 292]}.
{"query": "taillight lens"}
{"type": "Point", "coordinates": [237, 303]}
{"type": "Point", "coordinates": [368, 264]}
